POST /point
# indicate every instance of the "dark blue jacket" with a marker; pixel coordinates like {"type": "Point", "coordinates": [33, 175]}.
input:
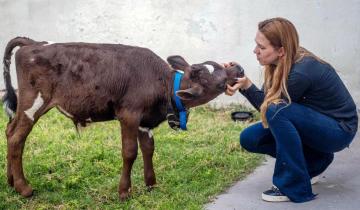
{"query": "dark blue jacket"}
{"type": "Point", "coordinates": [318, 86]}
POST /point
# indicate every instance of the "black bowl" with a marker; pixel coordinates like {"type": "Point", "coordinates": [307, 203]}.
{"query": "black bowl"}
{"type": "Point", "coordinates": [241, 116]}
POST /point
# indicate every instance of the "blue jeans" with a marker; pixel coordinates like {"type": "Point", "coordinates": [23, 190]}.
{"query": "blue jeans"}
{"type": "Point", "coordinates": [302, 140]}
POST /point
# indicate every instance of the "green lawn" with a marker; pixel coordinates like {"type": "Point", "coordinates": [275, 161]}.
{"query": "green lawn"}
{"type": "Point", "coordinates": [81, 171]}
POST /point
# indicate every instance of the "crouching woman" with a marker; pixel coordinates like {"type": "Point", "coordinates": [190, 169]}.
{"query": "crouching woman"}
{"type": "Point", "coordinates": [307, 113]}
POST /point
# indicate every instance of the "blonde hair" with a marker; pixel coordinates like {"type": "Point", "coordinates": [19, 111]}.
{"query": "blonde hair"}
{"type": "Point", "coordinates": [281, 33]}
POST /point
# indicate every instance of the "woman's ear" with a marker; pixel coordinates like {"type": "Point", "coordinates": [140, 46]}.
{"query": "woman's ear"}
{"type": "Point", "coordinates": [281, 52]}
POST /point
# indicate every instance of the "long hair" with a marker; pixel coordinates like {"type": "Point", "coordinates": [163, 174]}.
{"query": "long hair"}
{"type": "Point", "coordinates": [281, 33]}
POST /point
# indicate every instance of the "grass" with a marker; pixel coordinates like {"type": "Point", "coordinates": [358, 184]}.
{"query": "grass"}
{"type": "Point", "coordinates": [71, 171]}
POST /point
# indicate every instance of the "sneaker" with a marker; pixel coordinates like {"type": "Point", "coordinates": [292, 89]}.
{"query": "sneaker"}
{"type": "Point", "coordinates": [315, 179]}
{"type": "Point", "coordinates": [274, 195]}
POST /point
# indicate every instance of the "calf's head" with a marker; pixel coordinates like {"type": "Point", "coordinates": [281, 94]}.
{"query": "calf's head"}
{"type": "Point", "coordinates": [203, 82]}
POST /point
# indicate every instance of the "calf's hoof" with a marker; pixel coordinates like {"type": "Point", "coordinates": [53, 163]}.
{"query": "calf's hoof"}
{"type": "Point", "coordinates": [150, 181]}
{"type": "Point", "coordinates": [27, 192]}
{"type": "Point", "coordinates": [150, 187]}
{"type": "Point", "coordinates": [24, 189]}
{"type": "Point", "coordinates": [124, 196]}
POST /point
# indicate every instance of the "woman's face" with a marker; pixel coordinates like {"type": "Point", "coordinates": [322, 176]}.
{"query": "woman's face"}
{"type": "Point", "coordinates": [266, 54]}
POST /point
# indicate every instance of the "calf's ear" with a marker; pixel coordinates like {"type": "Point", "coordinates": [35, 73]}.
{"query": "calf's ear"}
{"type": "Point", "coordinates": [190, 93]}
{"type": "Point", "coordinates": [177, 62]}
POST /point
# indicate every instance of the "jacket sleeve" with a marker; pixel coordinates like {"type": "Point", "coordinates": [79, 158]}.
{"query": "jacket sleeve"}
{"type": "Point", "coordinates": [297, 86]}
{"type": "Point", "coordinates": [254, 95]}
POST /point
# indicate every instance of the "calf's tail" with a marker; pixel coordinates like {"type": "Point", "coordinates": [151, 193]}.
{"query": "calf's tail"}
{"type": "Point", "coordinates": [10, 99]}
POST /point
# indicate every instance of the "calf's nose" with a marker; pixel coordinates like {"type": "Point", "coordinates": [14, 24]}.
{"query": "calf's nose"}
{"type": "Point", "coordinates": [239, 70]}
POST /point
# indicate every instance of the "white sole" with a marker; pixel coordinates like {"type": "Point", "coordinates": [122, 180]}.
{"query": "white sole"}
{"type": "Point", "coordinates": [315, 180]}
{"type": "Point", "coordinates": [270, 198]}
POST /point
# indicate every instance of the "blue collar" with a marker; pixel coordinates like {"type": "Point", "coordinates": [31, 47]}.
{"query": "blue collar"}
{"type": "Point", "coordinates": [179, 106]}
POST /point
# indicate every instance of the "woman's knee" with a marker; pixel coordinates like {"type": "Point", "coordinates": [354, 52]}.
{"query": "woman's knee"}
{"type": "Point", "coordinates": [249, 138]}
{"type": "Point", "coordinates": [245, 140]}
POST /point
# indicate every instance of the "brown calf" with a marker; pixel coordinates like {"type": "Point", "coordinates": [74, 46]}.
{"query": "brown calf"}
{"type": "Point", "coordinates": [100, 82]}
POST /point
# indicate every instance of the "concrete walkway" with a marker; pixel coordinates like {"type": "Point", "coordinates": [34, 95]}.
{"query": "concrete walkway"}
{"type": "Point", "coordinates": [338, 188]}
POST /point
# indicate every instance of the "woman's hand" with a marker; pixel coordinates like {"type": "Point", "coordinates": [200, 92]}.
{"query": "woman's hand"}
{"type": "Point", "coordinates": [242, 83]}
{"type": "Point", "coordinates": [227, 65]}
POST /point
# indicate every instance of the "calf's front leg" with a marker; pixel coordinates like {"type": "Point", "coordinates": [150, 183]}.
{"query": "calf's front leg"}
{"type": "Point", "coordinates": [146, 141]}
{"type": "Point", "coordinates": [129, 132]}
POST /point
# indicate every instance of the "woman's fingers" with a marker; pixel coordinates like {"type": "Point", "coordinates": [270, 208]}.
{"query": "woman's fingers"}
{"type": "Point", "coordinates": [227, 65]}
{"type": "Point", "coordinates": [241, 83]}
{"type": "Point", "coordinates": [234, 87]}
{"type": "Point", "coordinates": [231, 90]}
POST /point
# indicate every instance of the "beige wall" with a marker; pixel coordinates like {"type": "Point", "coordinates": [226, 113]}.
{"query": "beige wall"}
{"type": "Point", "coordinates": [197, 29]}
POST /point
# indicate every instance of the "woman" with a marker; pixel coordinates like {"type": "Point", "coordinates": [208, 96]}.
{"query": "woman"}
{"type": "Point", "coordinates": [306, 111]}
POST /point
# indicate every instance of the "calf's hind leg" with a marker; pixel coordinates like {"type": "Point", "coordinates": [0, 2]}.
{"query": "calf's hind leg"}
{"type": "Point", "coordinates": [16, 132]}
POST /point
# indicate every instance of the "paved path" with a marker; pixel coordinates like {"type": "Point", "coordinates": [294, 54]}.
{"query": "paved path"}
{"type": "Point", "coordinates": [338, 188]}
